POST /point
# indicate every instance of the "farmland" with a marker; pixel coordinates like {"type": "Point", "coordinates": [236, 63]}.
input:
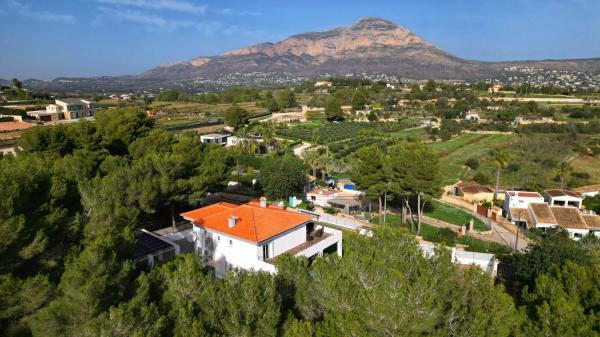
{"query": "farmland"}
{"type": "Point", "coordinates": [455, 152]}
{"type": "Point", "coordinates": [333, 132]}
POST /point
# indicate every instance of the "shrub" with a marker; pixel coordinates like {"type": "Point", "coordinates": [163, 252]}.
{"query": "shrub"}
{"type": "Point", "coordinates": [482, 178]}
{"type": "Point", "coordinates": [444, 235]}
{"type": "Point", "coordinates": [331, 210]}
{"type": "Point", "coordinates": [473, 163]}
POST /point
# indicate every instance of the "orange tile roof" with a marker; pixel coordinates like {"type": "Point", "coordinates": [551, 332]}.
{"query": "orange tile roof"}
{"type": "Point", "coordinates": [542, 213]}
{"type": "Point", "coordinates": [14, 126]}
{"type": "Point", "coordinates": [209, 210]}
{"type": "Point", "coordinates": [592, 221]}
{"type": "Point", "coordinates": [568, 217]}
{"type": "Point", "coordinates": [254, 223]}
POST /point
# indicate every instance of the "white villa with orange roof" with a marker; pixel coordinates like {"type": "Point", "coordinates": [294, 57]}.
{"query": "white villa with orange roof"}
{"type": "Point", "coordinates": [251, 235]}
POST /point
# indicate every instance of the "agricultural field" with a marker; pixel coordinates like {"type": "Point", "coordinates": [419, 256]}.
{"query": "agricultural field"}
{"type": "Point", "coordinates": [326, 133]}
{"type": "Point", "coordinates": [455, 152]}
{"type": "Point", "coordinates": [200, 108]}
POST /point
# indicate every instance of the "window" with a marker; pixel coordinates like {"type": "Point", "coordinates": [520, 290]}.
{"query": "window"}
{"type": "Point", "coordinates": [218, 238]}
{"type": "Point", "coordinates": [265, 249]}
{"type": "Point", "coordinates": [230, 243]}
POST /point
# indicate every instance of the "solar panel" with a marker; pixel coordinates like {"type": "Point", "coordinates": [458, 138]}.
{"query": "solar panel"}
{"type": "Point", "coordinates": [147, 244]}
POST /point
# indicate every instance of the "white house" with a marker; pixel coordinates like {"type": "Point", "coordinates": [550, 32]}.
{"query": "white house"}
{"type": "Point", "coordinates": [519, 199]}
{"type": "Point", "coordinates": [472, 116]}
{"type": "Point", "coordinates": [542, 216]}
{"type": "Point", "coordinates": [69, 109]}
{"type": "Point", "coordinates": [235, 140]}
{"type": "Point", "coordinates": [251, 235]}
{"type": "Point", "coordinates": [321, 196]}
{"type": "Point", "coordinates": [215, 138]}
{"type": "Point", "coordinates": [558, 197]}
{"type": "Point", "coordinates": [588, 191]}
{"type": "Point", "coordinates": [323, 84]}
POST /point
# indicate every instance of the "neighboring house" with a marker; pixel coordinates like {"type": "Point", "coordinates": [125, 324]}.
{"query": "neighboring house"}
{"type": "Point", "coordinates": [525, 120]}
{"type": "Point", "coordinates": [151, 249]}
{"type": "Point", "coordinates": [215, 138]}
{"type": "Point", "coordinates": [473, 192]}
{"type": "Point", "coordinates": [66, 109]}
{"type": "Point", "coordinates": [472, 116]}
{"type": "Point", "coordinates": [323, 84]}
{"type": "Point", "coordinates": [558, 197]}
{"type": "Point", "coordinates": [519, 199]}
{"type": "Point", "coordinates": [588, 191]}
{"type": "Point", "coordinates": [251, 235]}
{"type": "Point", "coordinates": [347, 201]}
{"type": "Point", "coordinates": [321, 196]}
{"type": "Point", "coordinates": [542, 216]}
{"type": "Point", "coordinates": [494, 88]}
{"type": "Point", "coordinates": [235, 140]}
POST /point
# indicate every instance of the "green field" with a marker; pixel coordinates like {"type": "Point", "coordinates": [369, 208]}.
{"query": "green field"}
{"type": "Point", "coordinates": [453, 215]}
{"type": "Point", "coordinates": [326, 133]}
{"type": "Point", "coordinates": [455, 152]}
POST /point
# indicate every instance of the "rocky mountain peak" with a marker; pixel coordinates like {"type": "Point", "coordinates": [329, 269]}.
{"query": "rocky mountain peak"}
{"type": "Point", "coordinates": [367, 33]}
{"type": "Point", "coordinates": [374, 23]}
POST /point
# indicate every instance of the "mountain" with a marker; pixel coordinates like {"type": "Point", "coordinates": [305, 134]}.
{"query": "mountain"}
{"type": "Point", "coordinates": [371, 46]}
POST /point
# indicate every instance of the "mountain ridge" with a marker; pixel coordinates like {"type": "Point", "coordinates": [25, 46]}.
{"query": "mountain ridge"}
{"type": "Point", "coordinates": [369, 46]}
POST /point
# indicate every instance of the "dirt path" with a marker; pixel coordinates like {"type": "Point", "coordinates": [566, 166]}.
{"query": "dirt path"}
{"type": "Point", "coordinates": [298, 150]}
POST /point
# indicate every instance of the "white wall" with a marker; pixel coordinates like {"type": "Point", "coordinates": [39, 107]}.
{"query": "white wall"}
{"type": "Point", "coordinates": [573, 231]}
{"type": "Point", "coordinates": [565, 201]}
{"type": "Point", "coordinates": [319, 199]}
{"type": "Point", "coordinates": [290, 240]}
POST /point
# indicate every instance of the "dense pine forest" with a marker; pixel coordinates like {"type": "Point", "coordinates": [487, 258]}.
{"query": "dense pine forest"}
{"type": "Point", "coordinates": [73, 197]}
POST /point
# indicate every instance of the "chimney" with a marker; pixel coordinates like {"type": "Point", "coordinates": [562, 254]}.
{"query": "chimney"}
{"type": "Point", "coordinates": [232, 221]}
{"type": "Point", "coordinates": [263, 202]}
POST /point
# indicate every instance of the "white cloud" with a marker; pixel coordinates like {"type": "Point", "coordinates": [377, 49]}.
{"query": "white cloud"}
{"type": "Point", "coordinates": [156, 22]}
{"type": "Point", "coordinates": [174, 5]}
{"type": "Point", "coordinates": [229, 11]}
{"type": "Point", "coordinates": [26, 11]}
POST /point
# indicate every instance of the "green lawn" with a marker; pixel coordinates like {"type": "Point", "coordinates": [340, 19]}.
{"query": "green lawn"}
{"type": "Point", "coordinates": [453, 215]}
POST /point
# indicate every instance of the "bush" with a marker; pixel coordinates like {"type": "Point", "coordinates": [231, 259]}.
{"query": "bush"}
{"type": "Point", "coordinates": [482, 178]}
{"type": "Point", "coordinates": [473, 163]}
{"type": "Point", "coordinates": [444, 235]}
{"type": "Point", "coordinates": [513, 167]}
{"type": "Point", "coordinates": [331, 210]}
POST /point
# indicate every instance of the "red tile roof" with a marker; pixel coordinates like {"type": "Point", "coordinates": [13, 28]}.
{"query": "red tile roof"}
{"type": "Point", "coordinates": [254, 223]}
{"type": "Point", "coordinates": [15, 126]}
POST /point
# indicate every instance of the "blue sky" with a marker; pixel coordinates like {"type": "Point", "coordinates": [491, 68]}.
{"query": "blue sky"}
{"type": "Point", "coordinates": [49, 38]}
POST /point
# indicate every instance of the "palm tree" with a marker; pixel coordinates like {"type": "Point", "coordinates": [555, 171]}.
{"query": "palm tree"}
{"type": "Point", "coordinates": [312, 159]}
{"type": "Point", "coordinates": [563, 171]}
{"type": "Point", "coordinates": [500, 161]}
{"type": "Point", "coordinates": [327, 163]}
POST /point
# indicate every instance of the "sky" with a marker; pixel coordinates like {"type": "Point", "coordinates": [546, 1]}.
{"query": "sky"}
{"type": "Point", "coordinates": [45, 39]}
